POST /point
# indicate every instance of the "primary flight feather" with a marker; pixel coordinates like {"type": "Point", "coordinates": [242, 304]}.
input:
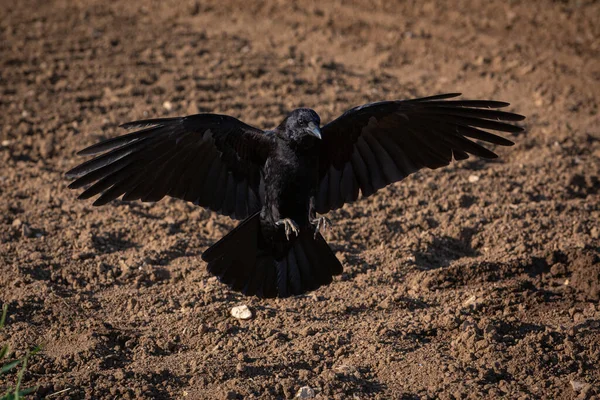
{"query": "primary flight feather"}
{"type": "Point", "coordinates": [277, 181]}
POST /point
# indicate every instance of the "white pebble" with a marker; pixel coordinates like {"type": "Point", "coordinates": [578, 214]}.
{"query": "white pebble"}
{"type": "Point", "coordinates": [473, 178]}
{"type": "Point", "coordinates": [168, 105]}
{"type": "Point", "coordinates": [305, 392]}
{"type": "Point", "coordinates": [241, 312]}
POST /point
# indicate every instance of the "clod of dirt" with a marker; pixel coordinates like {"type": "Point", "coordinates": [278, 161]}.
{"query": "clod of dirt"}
{"type": "Point", "coordinates": [579, 387]}
{"type": "Point", "coordinates": [27, 231]}
{"type": "Point", "coordinates": [241, 312]}
{"type": "Point", "coordinates": [305, 392]}
{"type": "Point", "coordinates": [586, 276]}
{"type": "Point", "coordinates": [471, 300]}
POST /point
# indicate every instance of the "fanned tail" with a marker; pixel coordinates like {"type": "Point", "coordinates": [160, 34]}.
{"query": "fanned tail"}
{"type": "Point", "coordinates": [250, 263]}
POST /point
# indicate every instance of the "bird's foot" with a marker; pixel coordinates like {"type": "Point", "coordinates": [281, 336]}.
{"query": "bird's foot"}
{"type": "Point", "coordinates": [320, 223]}
{"type": "Point", "coordinates": [290, 227]}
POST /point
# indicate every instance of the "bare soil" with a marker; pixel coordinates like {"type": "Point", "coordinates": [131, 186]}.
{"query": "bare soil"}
{"type": "Point", "coordinates": [480, 280]}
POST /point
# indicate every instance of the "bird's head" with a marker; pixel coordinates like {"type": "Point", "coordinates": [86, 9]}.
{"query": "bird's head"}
{"type": "Point", "coordinates": [302, 122]}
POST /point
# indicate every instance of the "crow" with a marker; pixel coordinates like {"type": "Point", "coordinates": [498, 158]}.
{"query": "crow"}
{"type": "Point", "coordinates": [279, 181]}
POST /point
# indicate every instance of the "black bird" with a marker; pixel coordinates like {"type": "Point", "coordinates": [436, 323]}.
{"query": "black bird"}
{"type": "Point", "coordinates": [277, 181]}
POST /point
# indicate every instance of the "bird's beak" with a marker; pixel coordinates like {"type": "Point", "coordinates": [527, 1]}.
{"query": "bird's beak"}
{"type": "Point", "coordinates": [314, 130]}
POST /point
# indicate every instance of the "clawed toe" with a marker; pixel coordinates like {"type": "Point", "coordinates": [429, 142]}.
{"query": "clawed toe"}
{"type": "Point", "coordinates": [320, 223]}
{"type": "Point", "coordinates": [290, 227]}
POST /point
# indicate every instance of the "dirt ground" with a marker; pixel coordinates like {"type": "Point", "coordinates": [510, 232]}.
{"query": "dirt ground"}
{"type": "Point", "coordinates": [479, 280]}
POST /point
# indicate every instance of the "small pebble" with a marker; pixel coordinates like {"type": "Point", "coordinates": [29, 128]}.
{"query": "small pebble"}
{"type": "Point", "coordinates": [241, 312]}
{"type": "Point", "coordinates": [473, 178]}
{"type": "Point", "coordinates": [27, 232]}
{"type": "Point", "coordinates": [471, 300]}
{"type": "Point", "coordinates": [578, 386]}
{"type": "Point", "coordinates": [240, 367]}
{"type": "Point", "coordinates": [305, 392]}
{"type": "Point", "coordinates": [308, 331]}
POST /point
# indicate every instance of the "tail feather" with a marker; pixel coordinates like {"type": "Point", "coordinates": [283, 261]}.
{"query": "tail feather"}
{"type": "Point", "coordinates": [293, 283]}
{"type": "Point", "coordinates": [269, 284]}
{"type": "Point", "coordinates": [310, 262]}
{"type": "Point", "coordinates": [308, 273]}
{"type": "Point", "coordinates": [323, 261]}
{"type": "Point", "coordinates": [249, 263]}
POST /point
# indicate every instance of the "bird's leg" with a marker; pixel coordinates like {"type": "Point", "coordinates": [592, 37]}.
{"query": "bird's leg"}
{"type": "Point", "coordinates": [321, 223]}
{"type": "Point", "coordinates": [290, 227]}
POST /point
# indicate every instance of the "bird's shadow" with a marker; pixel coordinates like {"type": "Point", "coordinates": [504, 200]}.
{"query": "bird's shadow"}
{"type": "Point", "coordinates": [111, 242]}
{"type": "Point", "coordinates": [167, 256]}
{"type": "Point", "coordinates": [445, 249]}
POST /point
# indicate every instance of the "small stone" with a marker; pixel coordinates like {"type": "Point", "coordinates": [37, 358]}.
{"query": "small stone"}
{"type": "Point", "coordinates": [27, 231]}
{"type": "Point", "coordinates": [471, 300]}
{"type": "Point", "coordinates": [308, 331]}
{"type": "Point", "coordinates": [131, 304]}
{"type": "Point", "coordinates": [119, 375]}
{"type": "Point", "coordinates": [46, 148]}
{"type": "Point", "coordinates": [195, 8]}
{"type": "Point", "coordinates": [578, 386]}
{"type": "Point", "coordinates": [305, 392]}
{"type": "Point", "coordinates": [17, 223]}
{"type": "Point", "coordinates": [168, 105]}
{"type": "Point", "coordinates": [473, 178]}
{"type": "Point", "coordinates": [481, 60]}
{"type": "Point", "coordinates": [241, 312]}
{"type": "Point", "coordinates": [240, 368]}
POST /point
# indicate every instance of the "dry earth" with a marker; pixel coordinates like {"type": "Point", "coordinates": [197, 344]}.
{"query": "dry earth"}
{"type": "Point", "coordinates": [479, 280]}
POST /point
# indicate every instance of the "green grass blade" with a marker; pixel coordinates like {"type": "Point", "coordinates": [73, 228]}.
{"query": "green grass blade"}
{"type": "Point", "coordinates": [7, 367]}
{"type": "Point", "coordinates": [35, 350]}
{"type": "Point", "coordinates": [4, 312]}
{"type": "Point", "coordinates": [16, 393]}
{"type": "Point", "coordinates": [8, 396]}
{"type": "Point", "coordinates": [28, 390]}
{"type": "Point", "coordinates": [20, 376]}
{"type": "Point", "coordinates": [4, 351]}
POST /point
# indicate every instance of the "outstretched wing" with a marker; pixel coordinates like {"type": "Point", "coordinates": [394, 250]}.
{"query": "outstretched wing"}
{"type": "Point", "coordinates": [371, 146]}
{"type": "Point", "coordinates": [211, 160]}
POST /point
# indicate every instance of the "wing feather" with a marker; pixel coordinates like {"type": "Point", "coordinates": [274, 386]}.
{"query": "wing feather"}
{"type": "Point", "coordinates": [373, 145]}
{"type": "Point", "coordinates": [209, 159]}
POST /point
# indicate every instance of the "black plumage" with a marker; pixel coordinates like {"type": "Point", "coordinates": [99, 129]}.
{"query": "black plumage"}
{"type": "Point", "coordinates": [278, 180]}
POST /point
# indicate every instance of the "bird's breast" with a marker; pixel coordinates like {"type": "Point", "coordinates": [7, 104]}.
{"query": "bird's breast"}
{"type": "Point", "coordinates": [289, 185]}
